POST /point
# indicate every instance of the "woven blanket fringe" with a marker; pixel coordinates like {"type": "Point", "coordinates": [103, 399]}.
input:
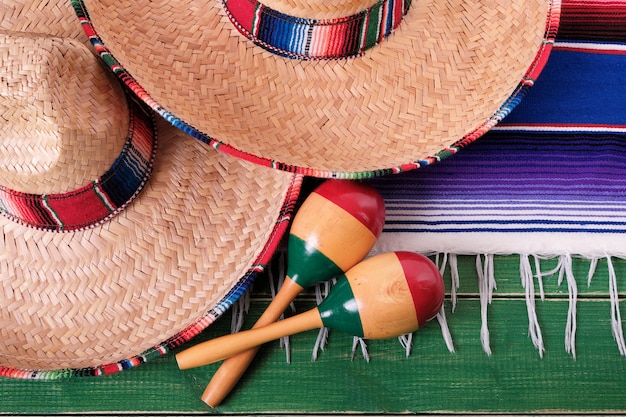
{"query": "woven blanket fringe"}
{"type": "Point", "coordinates": [526, 275]}
{"type": "Point", "coordinates": [530, 271]}
{"type": "Point", "coordinates": [282, 267]}
{"type": "Point", "coordinates": [487, 283]}
{"type": "Point", "coordinates": [441, 316]}
{"type": "Point", "coordinates": [616, 320]}
{"type": "Point", "coordinates": [321, 291]}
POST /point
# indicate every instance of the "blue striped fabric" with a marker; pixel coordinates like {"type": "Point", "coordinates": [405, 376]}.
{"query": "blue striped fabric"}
{"type": "Point", "coordinates": [548, 180]}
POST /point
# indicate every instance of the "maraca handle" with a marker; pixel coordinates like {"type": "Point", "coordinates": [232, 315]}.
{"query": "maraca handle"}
{"type": "Point", "coordinates": [229, 373]}
{"type": "Point", "coordinates": [226, 346]}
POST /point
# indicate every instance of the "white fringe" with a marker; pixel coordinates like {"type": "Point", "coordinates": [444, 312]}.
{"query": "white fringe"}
{"type": "Point", "coordinates": [454, 280]}
{"type": "Point", "coordinates": [321, 291]}
{"type": "Point", "coordinates": [540, 276]}
{"type": "Point", "coordinates": [616, 319]}
{"type": "Point", "coordinates": [570, 327]}
{"type": "Point", "coordinates": [359, 341]}
{"type": "Point", "coordinates": [534, 331]}
{"type": "Point", "coordinates": [564, 270]}
{"type": "Point", "coordinates": [406, 341]}
{"type": "Point", "coordinates": [445, 331]}
{"type": "Point", "coordinates": [285, 341]}
{"type": "Point", "coordinates": [441, 316]}
{"type": "Point", "coordinates": [592, 269]}
{"type": "Point", "coordinates": [486, 285]}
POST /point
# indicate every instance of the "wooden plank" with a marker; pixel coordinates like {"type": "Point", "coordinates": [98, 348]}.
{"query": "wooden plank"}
{"type": "Point", "coordinates": [515, 379]}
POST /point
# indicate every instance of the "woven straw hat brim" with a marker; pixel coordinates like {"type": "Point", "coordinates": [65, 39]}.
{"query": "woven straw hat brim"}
{"type": "Point", "coordinates": [446, 74]}
{"type": "Point", "coordinates": [111, 296]}
{"type": "Point", "coordinates": [150, 278]}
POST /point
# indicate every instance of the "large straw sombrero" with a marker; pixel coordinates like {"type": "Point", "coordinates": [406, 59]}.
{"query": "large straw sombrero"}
{"type": "Point", "coordinates": [325, 88]}
{"type": "Point", "coordinates": [102, 265]}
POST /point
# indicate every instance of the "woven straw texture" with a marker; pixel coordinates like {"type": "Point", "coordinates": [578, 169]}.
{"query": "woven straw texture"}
{"type": "Point", "coordinates": [59, 84]}
{"type": "Point", "coordinates": [103, 294]}
{"type": "Point", "coordinates": [437, 79]}
{"type": "Point", "coordinates": [203, 224]}
{"type": "Point", "coordinates": [40, 17]}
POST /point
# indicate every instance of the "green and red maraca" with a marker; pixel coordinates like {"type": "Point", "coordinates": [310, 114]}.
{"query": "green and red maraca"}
{"type": "Point", "coordinates": [335, 228]}
{"type": "Point", "coordinates": [385, 296]}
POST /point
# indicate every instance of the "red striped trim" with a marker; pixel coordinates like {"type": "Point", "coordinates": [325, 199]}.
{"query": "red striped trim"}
{"type": "Point", "coordinates": [599, 20]}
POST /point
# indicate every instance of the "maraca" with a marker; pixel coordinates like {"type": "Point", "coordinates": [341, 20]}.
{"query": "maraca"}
{"type": "Point", "coordinates": [336, 226]}
{"type": "Point", "coordinates": [385, 296]}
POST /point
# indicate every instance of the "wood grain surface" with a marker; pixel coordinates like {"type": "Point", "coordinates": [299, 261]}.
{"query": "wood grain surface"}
{"type": "Point", "coordinates": [513, 380]}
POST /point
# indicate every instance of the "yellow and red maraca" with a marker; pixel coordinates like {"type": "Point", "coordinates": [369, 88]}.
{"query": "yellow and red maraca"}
{"type": "Point", "coordinates": [335, 228]}
{"type": "Point", "coordinates": [385, 296]}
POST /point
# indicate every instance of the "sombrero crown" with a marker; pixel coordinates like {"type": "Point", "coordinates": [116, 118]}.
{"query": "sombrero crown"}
{"type": "Point", "coordinates": [268, 81]}
{"type": "Point", "coordinates": [56, 85]}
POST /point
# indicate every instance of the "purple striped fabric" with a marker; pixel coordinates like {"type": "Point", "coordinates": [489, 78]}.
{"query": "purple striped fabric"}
{"type": "Point", "coordinates": [553, 168]}
{"type": "Point", "coordinates": [549, 181]}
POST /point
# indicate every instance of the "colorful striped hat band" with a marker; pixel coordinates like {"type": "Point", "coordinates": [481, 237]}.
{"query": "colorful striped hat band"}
{"type": "Point", "coordinates": [303, 38]}
{"type": "Point", "coordinates": [63, 148]}
{"type": "Point", "coordinates": [430, 77]}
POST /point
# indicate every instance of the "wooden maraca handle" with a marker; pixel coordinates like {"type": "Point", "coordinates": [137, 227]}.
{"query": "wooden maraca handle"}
{"type": "Point", "coordinates": [335, 227]}
{"type": "Point", "coordinates": [229, 373]}
{"type": "Point", "coordinates": [215, 350]}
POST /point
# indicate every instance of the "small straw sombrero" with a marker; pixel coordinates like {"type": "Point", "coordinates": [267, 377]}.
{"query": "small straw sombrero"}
{"type": "Point", "coordinates": [347, 89]}
{"type": "Point", "coordinates": [112, 250]}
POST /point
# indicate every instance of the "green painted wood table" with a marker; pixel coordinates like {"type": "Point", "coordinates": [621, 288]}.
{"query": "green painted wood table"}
{"type": "Point", "coordinates": [513, 379]}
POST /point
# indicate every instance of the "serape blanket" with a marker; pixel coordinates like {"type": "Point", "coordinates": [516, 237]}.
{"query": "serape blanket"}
{"type": "Point", "coordinates": [548, 181]}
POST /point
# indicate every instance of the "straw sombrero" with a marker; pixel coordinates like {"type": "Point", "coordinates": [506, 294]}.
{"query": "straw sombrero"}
{"type": "Point", "coordinates": [112, 250]}
{"type": "Point", "coordinates": [348, 89]}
